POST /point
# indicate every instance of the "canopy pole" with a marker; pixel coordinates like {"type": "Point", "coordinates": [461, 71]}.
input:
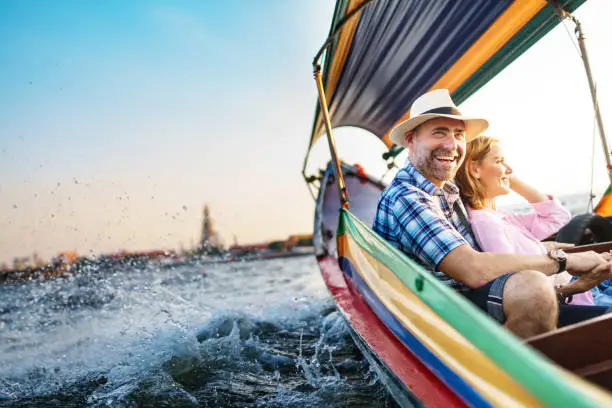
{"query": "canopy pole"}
{"type": "Point", "coordinates": [587, 67]}
{"type": "Point", "coordinates": [344, 198]}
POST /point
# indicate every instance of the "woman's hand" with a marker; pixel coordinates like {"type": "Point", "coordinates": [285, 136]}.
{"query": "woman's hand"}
{"type": "Point", "coordinates": [550, 245]}
{"type": "Point", "coordinates": [584, 263]}
{"type": "Point", "coordinates": [525, 190]}
{"type": "Point", "coordinates": [588, 280]}
{"type": "Point", "coordinates": [513, 180]}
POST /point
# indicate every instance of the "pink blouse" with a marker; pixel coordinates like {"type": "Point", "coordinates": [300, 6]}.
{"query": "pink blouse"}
{"type": "Point", "coordinates": [501, 232]}
{"type": "Point", "coordinates": [498, 231]}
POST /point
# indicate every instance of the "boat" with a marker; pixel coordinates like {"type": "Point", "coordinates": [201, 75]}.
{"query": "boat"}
{"type": "Point", "coordinates": [430, 346]}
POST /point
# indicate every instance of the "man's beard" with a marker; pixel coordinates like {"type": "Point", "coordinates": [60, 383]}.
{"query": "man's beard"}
{"type": "Point", "coordinates": [431, 168]}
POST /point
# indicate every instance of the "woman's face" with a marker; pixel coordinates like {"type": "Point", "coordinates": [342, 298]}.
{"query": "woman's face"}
{"type": "Point", "coordinates": [493, 173]}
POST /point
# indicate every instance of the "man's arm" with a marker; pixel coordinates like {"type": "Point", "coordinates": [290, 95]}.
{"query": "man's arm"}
{"type": "Point", "coordinates": [587, 282]}
{"type": "Point", "coordinates": [427, 236]}
{"type": "Point", "coordinates": [475, 269]}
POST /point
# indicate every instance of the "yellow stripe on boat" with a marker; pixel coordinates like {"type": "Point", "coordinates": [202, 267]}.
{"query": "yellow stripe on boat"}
{"type": "Point", "coordinates": [444, 341]}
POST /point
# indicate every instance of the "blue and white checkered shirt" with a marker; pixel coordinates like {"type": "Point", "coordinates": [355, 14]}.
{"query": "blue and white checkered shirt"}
{"type": "Point", "coordinates": [422, 220]}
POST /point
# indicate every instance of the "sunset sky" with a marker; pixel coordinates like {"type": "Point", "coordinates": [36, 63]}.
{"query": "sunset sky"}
{"type": "Point", "coordinates": [120, 119]}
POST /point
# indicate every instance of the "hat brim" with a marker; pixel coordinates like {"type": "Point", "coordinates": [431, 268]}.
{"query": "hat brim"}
{"type": "Point", "coordinates": [473, 126]}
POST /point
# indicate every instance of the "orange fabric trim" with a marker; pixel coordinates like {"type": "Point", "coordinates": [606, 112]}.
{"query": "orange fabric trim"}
{"type": "Point", "coordinates": [497, 35]}
{"type": "Point", "coordinates": [345, 39]}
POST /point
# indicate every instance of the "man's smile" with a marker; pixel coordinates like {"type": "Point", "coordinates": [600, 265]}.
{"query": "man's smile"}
{"type": "Point", "coordinates": [446, 159]}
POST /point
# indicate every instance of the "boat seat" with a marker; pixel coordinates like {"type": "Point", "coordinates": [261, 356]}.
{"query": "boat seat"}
{"type": "Point", "coordinates": [599, 247]}
{"type": "Point", "coordinates": [583, 348]}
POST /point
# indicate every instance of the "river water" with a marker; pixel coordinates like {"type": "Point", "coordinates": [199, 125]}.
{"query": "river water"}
{"type": "Point", "coordinates": [241, 334]}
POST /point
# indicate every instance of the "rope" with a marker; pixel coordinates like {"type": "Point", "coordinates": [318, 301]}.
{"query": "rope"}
{"type": "Point", "coordinates": [591, 195]}
{"type": "Point", "coordinates": [592, 178]}
{"type": "Point", "coordinates": [571, 37]}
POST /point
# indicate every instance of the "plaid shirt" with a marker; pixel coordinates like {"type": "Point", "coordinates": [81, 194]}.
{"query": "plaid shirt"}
{"type": "Point", "coordinates": [420, 219]}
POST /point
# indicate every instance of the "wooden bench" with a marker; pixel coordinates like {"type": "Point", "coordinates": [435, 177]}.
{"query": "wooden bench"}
{"type": "Point", "coordinates": [599, 248]}
{"type": "Point", "coordinates": [583, 348]}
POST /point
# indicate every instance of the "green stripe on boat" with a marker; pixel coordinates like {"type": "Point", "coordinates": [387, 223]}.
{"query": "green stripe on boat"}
{"type": "Point", "coordinates": [538, 376]}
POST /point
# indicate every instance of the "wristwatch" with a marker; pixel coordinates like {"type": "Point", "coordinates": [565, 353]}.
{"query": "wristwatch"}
{"type": "Point", "coordinates": [560, 256]}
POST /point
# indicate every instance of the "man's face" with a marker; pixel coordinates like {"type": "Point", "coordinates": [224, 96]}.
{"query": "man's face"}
{"type": "Point", "coordinates": [437, 149]}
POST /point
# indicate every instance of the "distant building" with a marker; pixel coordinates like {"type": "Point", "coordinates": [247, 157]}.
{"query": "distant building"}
{"type": "Point", "coordinates": [295, 243]}
{"type": "Point", "coordinates": [300, 240]}
{"type": "Point", "coordinates": [249, 248]}
{"type": "Point", "coordinates": [21, 262]}
{"type": "Point", "coordinates": [37, 261]}
{"type": "Point", "coordinates": [210, 241]}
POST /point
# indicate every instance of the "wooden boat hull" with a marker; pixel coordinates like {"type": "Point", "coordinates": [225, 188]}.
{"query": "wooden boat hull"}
{"type": "Point", "coordinates": [428, 344]}
{"type": "Point", "coordinates": [407, 379]}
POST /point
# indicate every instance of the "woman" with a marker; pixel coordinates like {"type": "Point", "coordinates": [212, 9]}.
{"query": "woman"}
{"type": "Point", "coordinates": [485, 175]}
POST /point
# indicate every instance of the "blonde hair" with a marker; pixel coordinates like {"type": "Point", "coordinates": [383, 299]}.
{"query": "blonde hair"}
{"type": "Point", "coordinates": [472, 191]}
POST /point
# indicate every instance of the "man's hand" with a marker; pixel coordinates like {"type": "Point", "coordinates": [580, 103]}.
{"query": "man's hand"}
{"type": "Point", "coordinates": [588, 280]}
{"type": "Point", "coordinates": [550, 245]}
{"type": "Point", "coordinates": [581, 263]}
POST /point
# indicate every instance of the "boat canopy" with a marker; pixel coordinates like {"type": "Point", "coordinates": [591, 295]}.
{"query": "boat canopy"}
{"type": "Point", "coordinates": [393, 51]}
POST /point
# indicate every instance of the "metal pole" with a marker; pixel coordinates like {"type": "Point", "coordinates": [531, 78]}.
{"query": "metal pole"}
{"type": "Point", "coordinates": [587, 68]}
{"type": "Point", "coordinates": [336, 31]}
{"type": "Point", "coordinates": [344, 198]}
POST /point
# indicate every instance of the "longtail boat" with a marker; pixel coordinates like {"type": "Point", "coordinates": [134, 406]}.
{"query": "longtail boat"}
{"type": "Point", "coordinates": [428, 344]}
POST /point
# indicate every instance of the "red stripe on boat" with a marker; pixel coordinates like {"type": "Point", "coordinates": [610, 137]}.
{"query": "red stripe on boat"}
{"type": "Point", "coordinates": [421, 382]}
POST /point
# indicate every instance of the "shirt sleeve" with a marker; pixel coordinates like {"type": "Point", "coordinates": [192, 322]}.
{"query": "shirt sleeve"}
{"type": "Point", "coordinates": [423, 233]}
{"type": "Point", "coordinates": [546, 219]}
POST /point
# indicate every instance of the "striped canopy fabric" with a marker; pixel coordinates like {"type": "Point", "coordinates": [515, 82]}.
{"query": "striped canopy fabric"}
{"type": "Point", "coordinates": [393, 51]}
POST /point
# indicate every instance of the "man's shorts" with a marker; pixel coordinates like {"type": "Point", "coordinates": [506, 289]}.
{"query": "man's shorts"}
{"type": "Point", "coordinates": [489, 298]}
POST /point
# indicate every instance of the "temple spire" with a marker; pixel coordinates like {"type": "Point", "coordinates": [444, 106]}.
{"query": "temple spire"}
{"type": "Point", "coordinates": [209, 239]}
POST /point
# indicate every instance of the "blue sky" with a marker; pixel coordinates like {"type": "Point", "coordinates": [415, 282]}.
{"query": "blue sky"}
{"type": "Point", "coordinates": [120, 119]}
{"type": "Point", "coordinates": [116, 116]}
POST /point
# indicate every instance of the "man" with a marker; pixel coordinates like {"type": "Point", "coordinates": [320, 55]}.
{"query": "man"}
{"type": "Point", "coordinates": [420, 213]}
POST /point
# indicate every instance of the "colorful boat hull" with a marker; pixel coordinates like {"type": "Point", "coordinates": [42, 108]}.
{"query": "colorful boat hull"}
{"type": "Point", "coordinates": [383, 57]}
{"type": "Point", "coordinates": [431, 344]}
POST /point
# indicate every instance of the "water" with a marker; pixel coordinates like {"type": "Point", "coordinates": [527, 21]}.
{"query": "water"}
{"type": "Point", "coordinates": [250, 334]}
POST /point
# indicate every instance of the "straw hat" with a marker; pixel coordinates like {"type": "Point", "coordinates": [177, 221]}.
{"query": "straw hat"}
{"type": "Point", "coordinates": [436, 104]}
